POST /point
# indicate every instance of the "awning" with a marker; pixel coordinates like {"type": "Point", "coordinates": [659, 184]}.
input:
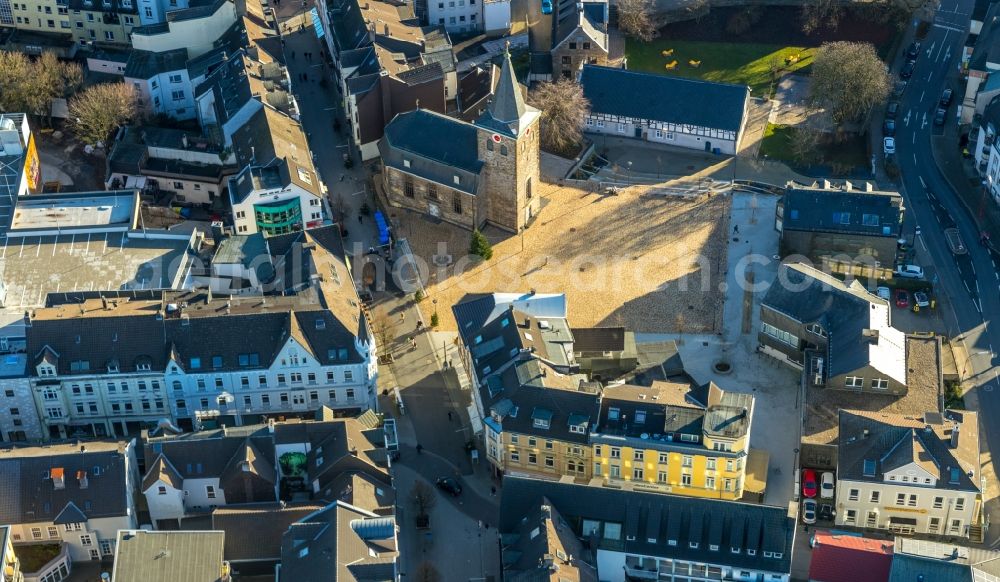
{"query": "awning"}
{"type": "Point", "coordinates": [903, 521]}
{"type": "Point", "coordinates": [317, 23]}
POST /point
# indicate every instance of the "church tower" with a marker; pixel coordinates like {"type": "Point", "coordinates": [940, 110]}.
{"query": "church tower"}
{"type": "Point", "coordinates": [508, 146]}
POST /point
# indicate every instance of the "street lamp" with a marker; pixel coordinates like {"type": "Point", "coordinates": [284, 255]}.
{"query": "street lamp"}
{"type": "Point", "coordinates": [628, 179]}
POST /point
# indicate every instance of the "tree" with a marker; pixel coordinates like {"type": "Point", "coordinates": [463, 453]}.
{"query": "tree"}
{"type": "Point", "coordinates": [818, 14]}
{"type": "Point", "coordinates": [101, 109]}
{"type": "Point", "coordinates": [804, 143]}
{"type": "Point", "coordinates": [423, 498]}
{"type": "Point", "coordinates": [564, 112]}
{"type": "Point", "coordinates": [426, 572]}
{"type": "Point", "coordinates": [30, 86]}
{"type": "Point", "coordinates": [480, 245]}
{"type": "Point", "coordinates": [638, 19]}
{"type": "Point", "coordinates": [15, 70]}
{"type": "Point", "coordinates": [849, 78]}
{"type": "Point", "coordinates": [382, 330]}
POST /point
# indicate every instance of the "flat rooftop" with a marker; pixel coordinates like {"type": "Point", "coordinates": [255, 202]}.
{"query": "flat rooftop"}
{"type": "Point", "coordinates": [74, 211]}
{"type": "Point", "coordinates": [156, 556]}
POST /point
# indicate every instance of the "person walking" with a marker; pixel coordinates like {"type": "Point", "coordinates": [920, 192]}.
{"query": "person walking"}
{"type": "Point", "coordinates": [449, 416]}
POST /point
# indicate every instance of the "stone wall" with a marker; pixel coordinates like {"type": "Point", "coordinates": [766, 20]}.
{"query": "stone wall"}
{"type": "Point", "coordinates": [512, 168]}
{"type": "Point", "coordinates": [431, 199]}
{"type": "Point", "coordinates": [569, 56]}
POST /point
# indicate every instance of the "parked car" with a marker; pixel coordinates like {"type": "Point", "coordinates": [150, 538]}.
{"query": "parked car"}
{"type": "Point", "coordinates": [884, 293]}
{"type": "Point", "coordinates": [898, 88]}
{"type": "Point", "coordinates": [892, 109]}
{"type": "Point", "coordinates": [450, 485]}
{"type": "Point", "coordinates": [808, 483]}
{"type": "Point", "coordinates": [920, 299]}
{"type": "Point", "coordinates": [889, 127]}
{"type": "Point", "coordinates": [909, 271]}
{"type": "Point", "coordinates": [913, 51]}
{"type": "Point", "coordinates": [946, 97]}
{"type": "Point", "coordinates": [902, 298]}
{"type": "Point", "coordinates": [939, 116]}
{"type": "Point", "coordinates": [826, 512]}
{"type": "Point", "coordinates": [907, 71]}
{"type": "Point", "coordinates": [546, 6]}
{"type": "Point", "coordinates": [826, 485]}
{"type": "Point", "coordinates": [809, 511]}
{"type": "Point", "coordinates": [889, 146]}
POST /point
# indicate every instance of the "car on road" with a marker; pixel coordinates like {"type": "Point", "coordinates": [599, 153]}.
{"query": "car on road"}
{"type": "Point", "coordinates": [889, 146]}
{"type": "Point", "coordinates": [546, 6]}
{"type": "Point", "coordinates": [889, 127]}
{"type": "Point", "coordinates": [884, 293]}
{"type": "Point", "coordinates": [826, 485]}
{"type": "Point", "coordinates": [939, 116]}
{"type": "Point", "coordinates": [913, 51]}
{"type": "Point", "coordinates": [809, 483]}
{"type": "Point", "coordinates": [909, 271]}
{"type": "Point", "coordinates": [450, 485]}
{"type": "Point", "coordinates": [920, 299]}
{"type": "Point", "coordinates": [809, 511]}
{"type": "Point", "coordinates": [907, 71]}
{"type": "Point", "coordinates": [892, 109]}
{"type": "Point", "coordinates": [946, 97]}
{"type": "Point", "coordinates": [902, 298]}
{"type": "Point", "coordinates": [898, 88]}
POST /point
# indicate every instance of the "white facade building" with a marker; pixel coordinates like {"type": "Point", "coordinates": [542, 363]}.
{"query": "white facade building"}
{"type": "Point", "coordinates": [194, 29]}
{"type": "Point", "coordinates": [456, 15]}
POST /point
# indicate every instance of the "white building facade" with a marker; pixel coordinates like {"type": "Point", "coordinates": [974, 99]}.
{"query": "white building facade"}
{"type": "Point", "coordinates": [456, 15]}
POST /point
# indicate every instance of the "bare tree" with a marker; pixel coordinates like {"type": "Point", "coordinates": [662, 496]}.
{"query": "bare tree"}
{"type": "Point", "coordinates": [16, 72]}
{"type": "Point", "coordinates": [101, 109]}
{"type": "Point", "coordinates": [818, 14]}
{"type": "Point", "coordinates": [804, 144]}
{"type": "Point", "coordinates": [849, 78]}
{"type": "Point", "coordinates": [426, 572]}
{"type": "Point", "coordinates": [30, 86]}
{"type": "Point", "coordinates": [638, 19]}
{"type": "Point", "coordinates": [564, 111]}
{"type": "Point", "coordinates": [423, 497]}
{"type": "Point", "coordinates": [382, 330]}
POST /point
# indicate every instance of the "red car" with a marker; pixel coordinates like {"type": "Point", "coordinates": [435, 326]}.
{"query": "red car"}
{"type": "Point", "coordinates": [809, 483]}
{"type": "Point", "coordinates": [902, 298]}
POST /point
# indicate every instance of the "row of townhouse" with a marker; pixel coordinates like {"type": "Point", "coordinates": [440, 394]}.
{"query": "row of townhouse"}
{"type": "Point", "coordinates": [542, 418]}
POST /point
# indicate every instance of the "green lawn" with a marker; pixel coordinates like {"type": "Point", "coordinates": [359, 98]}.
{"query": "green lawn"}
{"type": "Point", "coordinates": [743, 63]}
{"type": "Point", "coordinates": [851, 152]}
{"type": "Point", "coordinates": [776, 144]}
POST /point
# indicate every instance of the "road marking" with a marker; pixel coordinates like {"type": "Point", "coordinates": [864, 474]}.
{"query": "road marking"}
{"type": "Point", "coordinates": [930, 75]}
{"type": "Point", "coordinates": [914, 158]}
{"type": "Point", "coordinates": [977, 288]}
{"type": "Point", "coordinates": [906, 120]}
{"type": "Point", "coordinates": [922, 95]}
{"type": "Point", "coordinates": [923, 244]}
{"type": "Point", "coordinates": [979, 305]}
{"type": "Point", "coordinates": [921, 178]}
{"type": "Point", "coordinates": [913, 139]}
{"type": "Point", "coordinates": [931, 49]}
{"type": "Point", "coordinates": [966, 283]}
{"type": "Point", "coordinates": [948, 28]}
{"type": "Point", "coordinates": [923, 123]}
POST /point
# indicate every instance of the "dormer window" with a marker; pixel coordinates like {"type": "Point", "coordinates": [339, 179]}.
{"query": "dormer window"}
{"type": "Point", "coordinates": [869, 468]}
{"type": "Point", "coordinates": [816, 329]}
{"type": "Point", "coordinates": [406, 163]}
{"type": "Point", "coordinates": [693, 545]}
{"type": "Point", "coordinates": [640, 416]}
{"type": "Point", "coordinates": [541, 418]}
{"type": "Point", "coordinates": [195, 363]}
{"type": "Point", "coordinates": [46, 370]}
{"type": "Point", "coordinates": [113, 367]}
{"type": "Point", "coordinates": [457, 179]}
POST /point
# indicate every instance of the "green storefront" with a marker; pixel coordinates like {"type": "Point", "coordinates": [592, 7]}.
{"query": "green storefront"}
{"type": "Point", "coordinates": [278, 217]}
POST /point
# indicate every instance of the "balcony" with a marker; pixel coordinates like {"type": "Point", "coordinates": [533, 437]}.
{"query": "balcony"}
{"type": "Point", "coordinates": [39, 561]}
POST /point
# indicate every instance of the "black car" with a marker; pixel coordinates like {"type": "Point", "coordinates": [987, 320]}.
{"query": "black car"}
{"type": "Point", "coordinates": [946, 98]}
{"type": "Point", "coordinates": [898, 88]}
{"type": "Point", "coordinates": [913, 51]}
{"type": "Point", "coordinates": [907, 71]}
{"type": "Point", "coordinates": [450, 485]}
{"type": "Point", "coordinates": [892, 109]}
{"type": "Point", "coordinates": [826, 512]}
{"type": "Point", "coordinates": [939, 116]}
{"type": "Point", "coordinates": [889, 128]}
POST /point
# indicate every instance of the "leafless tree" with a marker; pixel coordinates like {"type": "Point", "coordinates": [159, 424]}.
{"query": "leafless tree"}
{"type": "Point", "coordinates": [638, 19]}
{"type": "Point", "coordinates": [101, 109]}
{"type": "Point", "coordinates": [818, 14]}
{"type": "Point", "coordinates": [423, 497]}
{"type": "Point", "coordinates": [804, 144]}
{"type": "Point", "coordinates": [382, 330]}
{"type": "Point", "coordinates": [564, 111]}
{"type": "Point", "coordinates": [849, 78]}
{"type": "Point", "coordinates": [31, 85]}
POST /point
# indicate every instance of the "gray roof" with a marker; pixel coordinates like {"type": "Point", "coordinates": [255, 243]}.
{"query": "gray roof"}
{"type": "Point", "coordinates": [453, 149]}
{"type": "Point", "coordinates": [28, 494]}
{"type": "Point", "coordinates": [913, 558]}
{"type": "Point", "coordinates": [254, 530]}
{"type": "Point", "coordinates": [147, 64]}
{"type": "Point", "coordinates": [505, 111]}
{"type": "Point", "coordinates": [661, 518]}
{"type": "Point", "coordinates": [168, 556]}
{"type": "Point", "coordinates": [887, 442]}
{"type": "Point", "coordinates": [545, 537]}
{"type": "Point", "coordinates": [337, 543]}
{"type": "Point", "coordinates": [231, 87]}
{"type": "Point", "coordinates": [862, 213]}
{"type": "Point", "coordinates": [664, 98]}
{"type": "Point", "coordinates": [598, 339]}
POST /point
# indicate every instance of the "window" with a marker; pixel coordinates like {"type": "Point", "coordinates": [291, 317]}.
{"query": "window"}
{"type": "Point", "coordinates": [616, 471]}
{"type": "Point", "coordinates": [912, 501]}
{"type": "Point", "coordinates": [842, 218]}
{"type": "Point", "coordinates": [664, 458]}
{"type": "Point", "coordinates": [640, 416]}
{"type": "Point", "coordinates": [613, 413]}
{"type": "Point", "coordinates": [901, 499]}
{"type": "Point", "coordinates": [880, 384]}
{"type": "Point", "coordinates": [637, 455]}
{"type": "Point", "coordinates": [870, 219]}
{"type": "Point", "coordinates": [550, 462]}
{"type": "Point", "coordinates": [780, 335]}
{"type": "Point", "coordinates": [853, 494]}
{"type": "Point", "coordinates": [515, 457]}
{"type": "Point", "coordinates": [36, 533]}
{"type": "Point", "coordinates": [709, 482]}
{"type": "Point", "coordinates": [687, 461]}
{"type": "Point", "coordinates": [621, 128]}
{"type": "Point", "coordinates": [960, 504]}
{"type": "Point", "coordinates": [456, 203]}
{"type": "Point", "coordinates": [934, 525]}
{"type": "Point", "coordinates": [53, 531]}
{"type": "Point", "coordinates": [854, 382]}
{"type": "Point", "coordinates": [86, 540]}
{"type": "Point", "coordinates": [350, 394]}
{"type": "Point", "coordinates": [686, 479]}
{"type": "Point", "coordinates": [616, 453]}
{"type": "Point", "coordinates": [532, 458]}
{"type": "Point", "coordinates": [816, 329]}
{"type": "Point", "coordinates": [874, 497]}
{"type": "Point", "coordinates": [600, 123]}
{"type": "Point", "coordinates": [408, 190]}
{"type": "Point", "coordinates": [710, 464]}
{"type": "Point", "coordinates": [210, 491]}
{"type": "Point", "coordinates": [175, 78]}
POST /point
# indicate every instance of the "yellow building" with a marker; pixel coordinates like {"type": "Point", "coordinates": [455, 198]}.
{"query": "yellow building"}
{"type": "Point", "coordinates": [675, 439]}
{"type": "Point", "coordinates": [42, 16]}
{"type": "Point", "coordinates": [103, 21]}
{"type": "Point", "coordinates": [11, 565]}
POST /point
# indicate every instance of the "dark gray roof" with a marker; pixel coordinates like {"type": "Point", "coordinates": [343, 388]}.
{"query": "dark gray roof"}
{"type": "Point", "coordinates": [662, 517]}
{"type": "Point", "coordinates": [932, 560]}
{"type": "Point", "coordinates": [197, 9]}
{"type": "Point", "coordinates": [254, 530]}
{"type": "Point", "coordinates": [544, 536]}
{"type": "Point", "coordinates": [147, 64]}
{"type": "Point", "coordinates": [167, 556]}
{"type": "Point", "coordinates": [452, 150]}
{"type": "Point", "coordinates": [423, 74]}
{"type": "Point", "coordinates": [109, 6]}
{"type": "Point", "coordinates": [598, 339]}
{"type": "Point", "coordinates": [209, 456]}
{"type": "Point", "coordinates": [863, 213]}
{"type": "Point", "coordinates": [28, 494]}
{"type": "Point", "coordinates": [664, 98]}
{"type": "Point", "coordinates": [505, 111]}
{"type": "Point", "coordinates": [231, 87]}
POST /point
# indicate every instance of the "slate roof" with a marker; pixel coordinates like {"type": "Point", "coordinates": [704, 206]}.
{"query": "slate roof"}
{"type": "Point", "coordinates": [849, 558]}
{"type": "Point", "coordinates": [28, 495]}
{"type": "Point", "coordinates": [230, 85]}
{"type": "Point", "coordinates": [270, 135]}
{"type": "Point", "coordinates": [168, 556]}
{"type": "Point", "coordinates": [664, 98]}
{"type": "Point", "coordinates": [661, 517]}
{"type": "Point", "coordinates": [861, 213]}
{"type": "Point", "coordinates": [254, 530]}
{"type": "Point", "coordinates": [545, 538]}
{"type": "Point", "coordinates": [507, 111]}
{"type": "Point", "coordinates": [894, 441]}
{"type": "Point", "coordinates": [336, 543]}
{"type": "Point", "coordinates": [598, 339]}
{"type": "Point", "coordinates": [808, 295]}
{"type": "Point", "coordinates": [205, 458]}
{"type": "Point", "coordinates": [147, 64]}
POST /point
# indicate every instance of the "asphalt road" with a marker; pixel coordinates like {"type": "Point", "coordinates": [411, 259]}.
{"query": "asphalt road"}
{"type": "Point", "coordinates": [970, 282]}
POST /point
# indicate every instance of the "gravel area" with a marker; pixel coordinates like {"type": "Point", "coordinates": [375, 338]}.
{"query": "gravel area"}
{"type": "Point", "coordinates": [923, 394]}
{"type": "Point", "coordinates": [649, 262]}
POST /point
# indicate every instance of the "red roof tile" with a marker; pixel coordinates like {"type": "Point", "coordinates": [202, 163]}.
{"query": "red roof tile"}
{"type": "Point", "coordinates": [844, 558]}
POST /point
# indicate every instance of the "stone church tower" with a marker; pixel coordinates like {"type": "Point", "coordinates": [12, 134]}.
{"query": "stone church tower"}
{"type": "Point", "coordinates": [508, 147]}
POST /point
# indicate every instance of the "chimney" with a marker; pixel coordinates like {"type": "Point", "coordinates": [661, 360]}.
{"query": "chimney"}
{"type": "Point", "coordinates": [223, 427]}
{"type": "Point", "coordinates": [81, 476]}
{"type": "Point", "coordinates": [385, 28]}
{"type": "Point", "coordinates": [848, 186]}
{"type": "Point", "coordinates": [184, 140]}
{"type": "Point", "coordinates": [826, 184]}
{"type": "Point", "coordinates": [270, 425]}
{"type": "Point", "coordinates": [104, 303]}
{"type": "Point", "coordinates": [954, 437]}
{"type": "Point", "coordinates": [869, 187]}
{"type": "Point", "coordinates": [58, 477]}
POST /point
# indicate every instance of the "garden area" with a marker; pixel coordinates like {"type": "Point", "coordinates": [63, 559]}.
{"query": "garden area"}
{"type": "Point", "coordinates": [34, 557]}
{"type": "Point", "coordinates": [841, 152]}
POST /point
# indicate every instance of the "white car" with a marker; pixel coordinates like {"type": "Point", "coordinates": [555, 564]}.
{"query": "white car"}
{"type": "Point", "coordinates": [889, 146]}
{"type": "Point", "coordinates": [809, 511]}
{"type": "Point", "coordinates": [910, 271]}
{"type": "Point", "coordinates": [826, 485]}
{"type": "Point", "coordinates": [884, 293]}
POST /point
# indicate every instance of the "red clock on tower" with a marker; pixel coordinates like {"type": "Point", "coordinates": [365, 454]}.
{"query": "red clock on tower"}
{"type": "Point", "coordinates": [496, 137]}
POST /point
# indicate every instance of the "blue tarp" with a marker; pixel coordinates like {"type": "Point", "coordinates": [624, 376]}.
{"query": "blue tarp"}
{"type": "Point", "coordinates": [317, 23]}
{"type": "Point", "coordinates": [383, 228]}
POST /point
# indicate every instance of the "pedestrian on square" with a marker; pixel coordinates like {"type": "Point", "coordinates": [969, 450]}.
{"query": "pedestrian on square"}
{"type": "Point", "coordinates": [402, 316]}
{"type": "Point", "coordinates": [736, 229]}
{"type": "Point", "coordinates": [413, 343]}
{"type": "Point", "coordinates": [449, 415]}
{"type": "Point", "coordinates": [420, 448]}
{"type": "Point", "coordinates": [493, 491]}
